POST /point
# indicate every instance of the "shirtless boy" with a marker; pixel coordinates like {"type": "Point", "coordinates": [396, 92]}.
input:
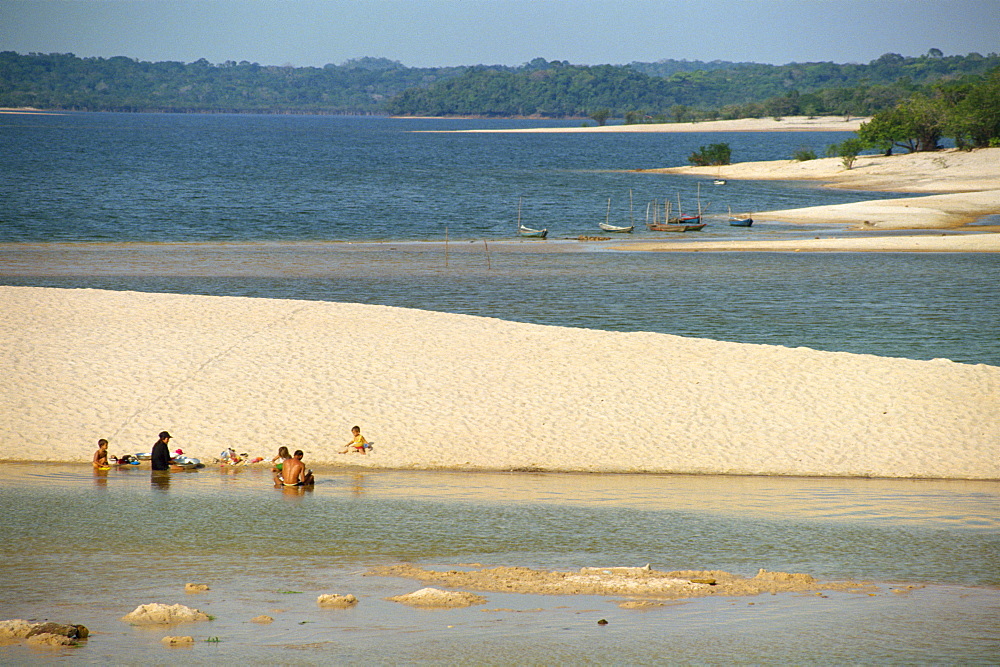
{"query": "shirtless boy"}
{"type": "Point", "coordinates": [294, 473]}
{"type": "Point", "coordinates": [101, 455]}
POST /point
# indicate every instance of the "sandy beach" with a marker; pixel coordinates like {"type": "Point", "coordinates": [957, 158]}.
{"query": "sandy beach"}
{"type": "Point", "coordinates": [443, 391]}
{"type": "Point", "coordinates": [789, 124]}
{"type": "Point", "coordinates": [969, 179]}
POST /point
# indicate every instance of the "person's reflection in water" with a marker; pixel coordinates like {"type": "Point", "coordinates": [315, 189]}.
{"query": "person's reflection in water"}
{"type": "Point", "coordinates": [296, 490]}
{"type": "Point", "coordinates": [160, 479]}
{"type": "Point", "coordinates": [100, 478]}
{"type": "Point", "coordinates": [357, 485]}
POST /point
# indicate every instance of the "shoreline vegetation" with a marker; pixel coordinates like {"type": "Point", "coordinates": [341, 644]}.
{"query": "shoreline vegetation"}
{"type": "Point", "coordinates": [635, 92]}
{"type": "Point", "coordinates": [445, 392]}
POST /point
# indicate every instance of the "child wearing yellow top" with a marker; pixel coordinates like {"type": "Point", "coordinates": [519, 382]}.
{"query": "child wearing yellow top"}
{"type": "Point", "coordinates": [358, 442]}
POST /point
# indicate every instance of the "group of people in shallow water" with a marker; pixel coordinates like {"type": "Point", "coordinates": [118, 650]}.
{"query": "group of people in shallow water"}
{"type": "Point", "coordinates": [289, 470]}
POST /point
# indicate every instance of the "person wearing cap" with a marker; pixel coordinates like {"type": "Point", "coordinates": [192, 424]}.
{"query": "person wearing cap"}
{"type": "Point", "coordinates": [160, 456]}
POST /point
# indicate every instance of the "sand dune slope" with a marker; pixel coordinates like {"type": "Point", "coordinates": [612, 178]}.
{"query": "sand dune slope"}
{"type": "Point", "coordinates": [441, 390]}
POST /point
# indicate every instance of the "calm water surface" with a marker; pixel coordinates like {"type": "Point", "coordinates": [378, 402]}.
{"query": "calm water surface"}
{"type": "Point", "coordinates": [152, 177]}
{"type": "Point", "coordinates": [120, 539]}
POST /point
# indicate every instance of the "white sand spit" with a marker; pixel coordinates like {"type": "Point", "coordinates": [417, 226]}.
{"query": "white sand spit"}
{"type": "Point", "coordinates": [789, 124]}
{"type": "Point", "coordinates": [438, 390]}
{"type": "Point", "coordinates": [970, 179]}
{"type": "Point", "coordinates": [952, 242]}
{"type": "Point", "coordinates": [949, 170]}
{"type": "Point", "coordinates": [931, 212]}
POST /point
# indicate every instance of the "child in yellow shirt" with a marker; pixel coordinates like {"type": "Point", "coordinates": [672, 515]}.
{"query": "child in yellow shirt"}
{"type": "Point", "coordinates": [358, 442]}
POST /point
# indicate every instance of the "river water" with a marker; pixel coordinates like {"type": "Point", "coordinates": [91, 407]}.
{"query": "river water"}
{"type": "Point", "coordinates": [88, 547]}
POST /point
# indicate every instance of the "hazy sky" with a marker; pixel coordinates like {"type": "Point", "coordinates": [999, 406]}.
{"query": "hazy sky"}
{"type": "Point", "coordinates": [509, 32]}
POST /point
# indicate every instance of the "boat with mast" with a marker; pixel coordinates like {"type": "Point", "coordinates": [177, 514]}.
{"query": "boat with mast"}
{"type": "Point", "coordinates": [608, 227]}
{"type": "Point", "coordinates": [528, 231]}
{"type": "Point", "coordinates": [744, 220]}
{"type": "Point", "coordinates": [680, 223]}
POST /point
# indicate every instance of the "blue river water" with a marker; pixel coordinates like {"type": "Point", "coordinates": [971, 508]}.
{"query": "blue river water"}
{"type": "Point", "coordinates": [166, 178]}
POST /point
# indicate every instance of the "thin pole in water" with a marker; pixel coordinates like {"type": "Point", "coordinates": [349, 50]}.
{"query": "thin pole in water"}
{"type": "Point", "coordinates": [488, 265]}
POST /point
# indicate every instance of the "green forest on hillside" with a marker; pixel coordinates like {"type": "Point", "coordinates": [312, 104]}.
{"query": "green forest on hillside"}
{"type": "Point", "coordinates": [666, 90]}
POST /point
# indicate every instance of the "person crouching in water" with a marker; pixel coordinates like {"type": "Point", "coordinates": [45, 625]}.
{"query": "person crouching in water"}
{"type": "Point", "coordinates": [101, 455]}
{"type": "Point", "coordinates": [294, 473]}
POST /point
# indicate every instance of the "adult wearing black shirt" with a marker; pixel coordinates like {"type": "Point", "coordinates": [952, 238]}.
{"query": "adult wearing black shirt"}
{"type": "Point", "coordinates": [160, 456]}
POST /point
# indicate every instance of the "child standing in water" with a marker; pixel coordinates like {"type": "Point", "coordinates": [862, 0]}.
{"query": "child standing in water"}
{"type": "Point", "coordinates": [357, 443]}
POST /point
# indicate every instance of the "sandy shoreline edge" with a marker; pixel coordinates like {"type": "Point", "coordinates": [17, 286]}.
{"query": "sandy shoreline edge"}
{"type": "Point", "coordinates": [788, 124]}
{"type": "Point", "coordinates": [444, 391]}
{"type": "Point", "coordinates": [966, 187]}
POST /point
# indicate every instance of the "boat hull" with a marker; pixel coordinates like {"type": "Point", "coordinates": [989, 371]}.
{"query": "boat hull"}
{"type": "Point", "coordinates": [533, 233]}
{"type": "Point", "coordinates": [614, 229]}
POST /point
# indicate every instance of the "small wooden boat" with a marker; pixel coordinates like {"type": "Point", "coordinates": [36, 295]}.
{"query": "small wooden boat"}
{"type": "Point", "coordinates": [608, 227]}
{"type": "Point", "coordinates": [739, 220]}
{"type": "Point", "coordinates": [680, 223]}
{"type": "Point", "coordinates": [532, 233]}
{"type": "Point", "coordinates": [528, 231]}
{"type": "Point", "coordinates": [668, 224]}
{"type": "Point", "coordinates": [666, 227]}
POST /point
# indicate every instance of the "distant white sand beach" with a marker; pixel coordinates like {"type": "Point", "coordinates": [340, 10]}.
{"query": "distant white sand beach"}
{"type": "Point", "coordinates": [789, 124]}
{"type": "Point", "coordinates": [444, 391]}
{"type": "Point", "coordinates": [970, 181]}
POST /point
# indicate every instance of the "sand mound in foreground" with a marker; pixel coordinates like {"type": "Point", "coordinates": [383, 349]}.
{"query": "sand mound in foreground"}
{"type": "Point", "coordinates": [614, 581]}
{"type": "Point", "coordinates": [437, 390]}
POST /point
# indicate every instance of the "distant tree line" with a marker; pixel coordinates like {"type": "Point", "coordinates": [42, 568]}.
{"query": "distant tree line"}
{"type": "Point", "coordinates": [647, 93]}
{"type": "Point", "coordinates": [64, 81]}
{"type": "Point", "coordinates": [668, 90]}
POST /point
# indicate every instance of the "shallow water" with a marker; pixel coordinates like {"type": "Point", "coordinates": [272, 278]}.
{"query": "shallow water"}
{"type": "Point", "coordinates": [116, 540]}
{"type": "Point", "coordinates": [913, 305]}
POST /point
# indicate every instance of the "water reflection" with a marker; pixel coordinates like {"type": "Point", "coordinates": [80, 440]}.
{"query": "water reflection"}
{"type": "Point", "coordinates": [295, 491]}
{"type": "Point", "coordinates": [357, 484]}
{"type": "Point", "coordinates": [160, 480]}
